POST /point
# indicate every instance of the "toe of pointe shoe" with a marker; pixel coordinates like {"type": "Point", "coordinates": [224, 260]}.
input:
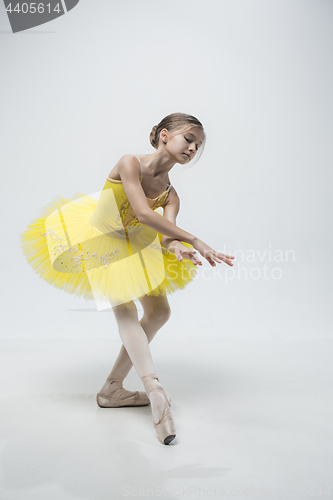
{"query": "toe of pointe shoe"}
{"type": "Point", "coordinates": [169, 438]}
{"type": "Point", "coordinates": [165, 429]}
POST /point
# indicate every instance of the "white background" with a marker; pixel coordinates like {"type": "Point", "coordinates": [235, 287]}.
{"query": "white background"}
{"type": "Point", "coordinates": [246, 354]}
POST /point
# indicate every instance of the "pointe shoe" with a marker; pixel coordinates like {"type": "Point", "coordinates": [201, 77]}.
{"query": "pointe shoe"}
{"type": "Point", "coordinates": [121, 397]}
{"type": "Point", "coordinates": [165, 428]}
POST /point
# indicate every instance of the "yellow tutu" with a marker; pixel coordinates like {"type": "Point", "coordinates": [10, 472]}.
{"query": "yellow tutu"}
{"type": "Point", "coordinates": [99, 250]}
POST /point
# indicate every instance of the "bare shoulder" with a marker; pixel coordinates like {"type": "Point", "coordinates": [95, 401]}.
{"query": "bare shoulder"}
{"type": "Point", "coordinates": [129, 163]}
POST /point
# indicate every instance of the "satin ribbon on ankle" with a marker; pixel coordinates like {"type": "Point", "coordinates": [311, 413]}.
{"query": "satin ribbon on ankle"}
{"type": "Point", "coordinates": [112, 379]}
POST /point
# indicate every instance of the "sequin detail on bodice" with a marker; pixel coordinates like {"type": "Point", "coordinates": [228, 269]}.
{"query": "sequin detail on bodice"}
{"type": "Point", "coordinates": [126, 212]}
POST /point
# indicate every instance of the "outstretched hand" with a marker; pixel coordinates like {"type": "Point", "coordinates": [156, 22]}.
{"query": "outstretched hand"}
{"type": "Point", "coordinates": [212, 256]}
{"type": "Point", "coordinates": [182, 251]}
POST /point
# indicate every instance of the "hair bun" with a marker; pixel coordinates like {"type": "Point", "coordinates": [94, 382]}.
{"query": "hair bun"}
{"type": "Point", "coordinates": [152, 137]}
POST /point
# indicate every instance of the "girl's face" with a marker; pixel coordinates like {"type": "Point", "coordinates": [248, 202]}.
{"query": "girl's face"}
{"type": "Point", "coordinates": [184, 145]}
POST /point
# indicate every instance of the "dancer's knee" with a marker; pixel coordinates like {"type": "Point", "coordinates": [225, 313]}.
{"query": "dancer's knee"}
{"type": "Point", "coordinates": [160, 315]}
{"type": "Point", "coordinates": [126, 310]}
{"type": "Point", "coordinates": [156, 308]}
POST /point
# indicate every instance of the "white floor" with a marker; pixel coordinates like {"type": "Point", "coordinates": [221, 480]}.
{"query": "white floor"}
{"type": "Point", "coordinates": [253, 419]}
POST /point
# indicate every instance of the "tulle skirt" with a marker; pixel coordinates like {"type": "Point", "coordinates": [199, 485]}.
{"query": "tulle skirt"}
{"type": "Point", "coordinates": [64, 249]}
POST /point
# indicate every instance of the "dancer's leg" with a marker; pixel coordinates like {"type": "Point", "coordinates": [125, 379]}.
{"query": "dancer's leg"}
{"type": "Point", "coordinates": [133, 337]}
{"type": "Point", "coordinates": [156, 312]}
{"type": "Point", "coordinates": [136, 344]}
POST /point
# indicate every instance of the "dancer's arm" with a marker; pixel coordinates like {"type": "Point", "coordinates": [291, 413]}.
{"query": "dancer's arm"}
{"type": "Point", "coordinates": [129, 171]}
{"type": "Point", "coordinates": [170, 212]}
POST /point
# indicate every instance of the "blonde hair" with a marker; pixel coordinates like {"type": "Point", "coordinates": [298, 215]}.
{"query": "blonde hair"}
{"type": "Point", "coordinates": [177, 122]}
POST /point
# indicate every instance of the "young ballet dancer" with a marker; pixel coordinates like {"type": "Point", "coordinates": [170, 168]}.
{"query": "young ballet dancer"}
{"type": "Point", "coordinates": [121, 249]}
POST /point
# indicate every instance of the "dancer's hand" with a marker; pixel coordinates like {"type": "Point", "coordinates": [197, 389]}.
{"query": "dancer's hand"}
{"type": "Point", "coordinates": [211, 255]}
{"type": "Point", "coordinates": [182, 251]}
